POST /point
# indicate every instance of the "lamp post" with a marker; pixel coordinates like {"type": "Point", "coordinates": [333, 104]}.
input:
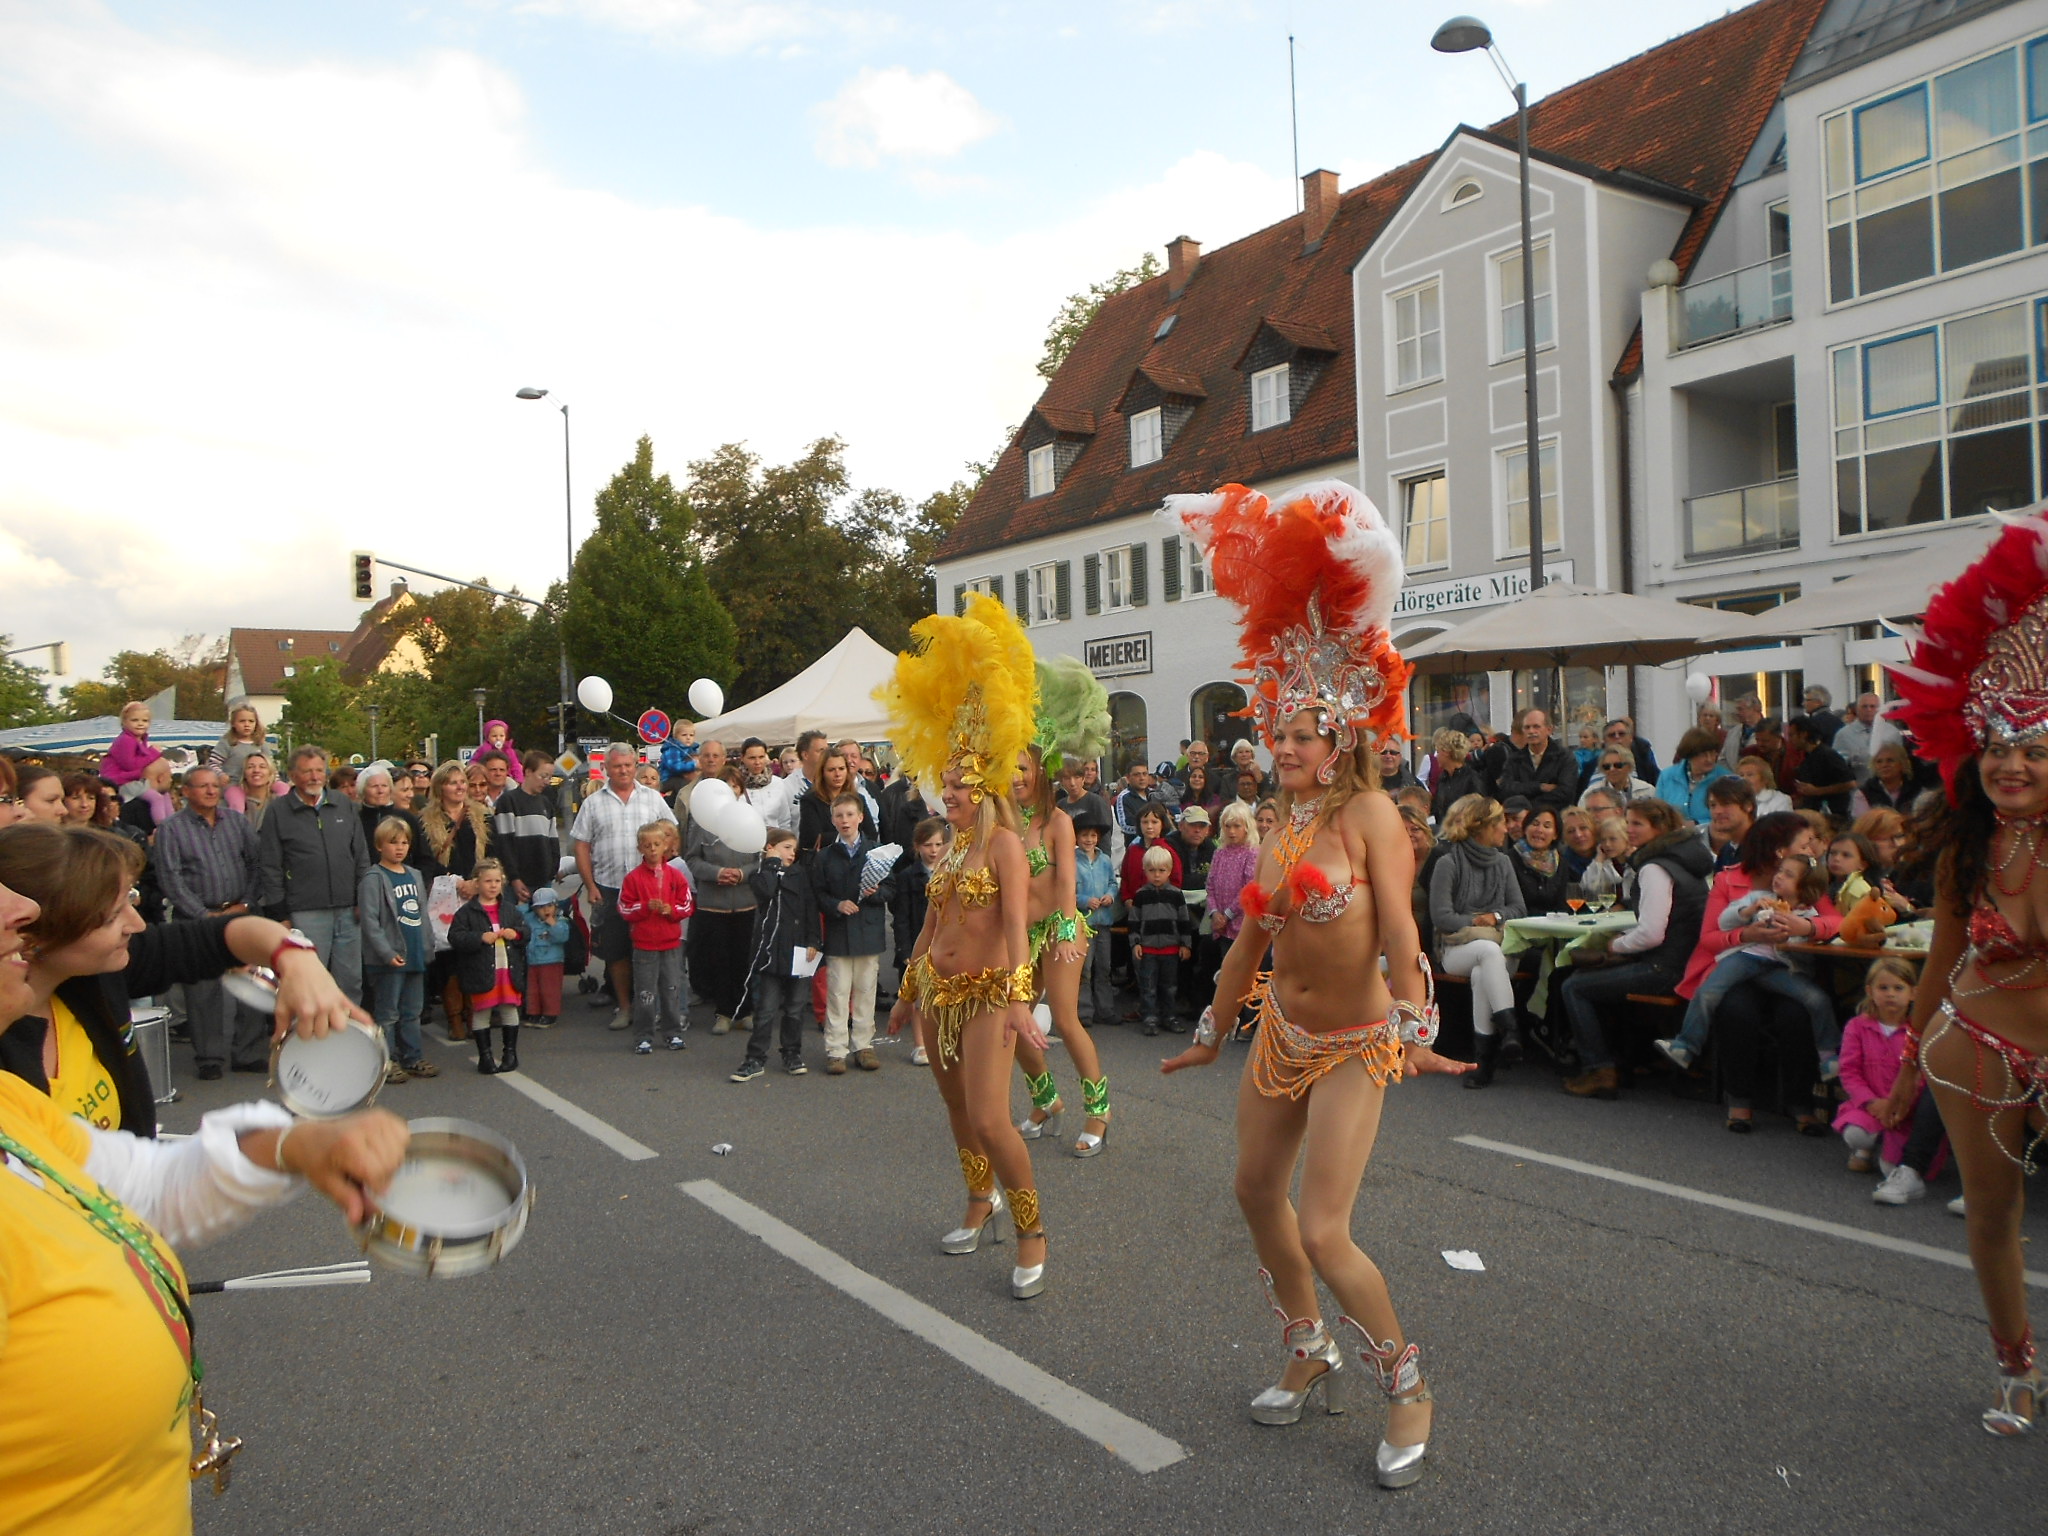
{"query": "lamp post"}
{"type": "Point", "coordinates": [1466, 34]}
{"type": "Point", "coordinates": [373, 710]}
{"type": "Point", "coordinates": [568, 557]}
{"type": "Point", "coordinates": [477, 695]}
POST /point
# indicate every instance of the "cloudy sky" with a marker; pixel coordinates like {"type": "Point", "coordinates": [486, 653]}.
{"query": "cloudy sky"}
{"type": "Point", "coordinates": [271, 270]}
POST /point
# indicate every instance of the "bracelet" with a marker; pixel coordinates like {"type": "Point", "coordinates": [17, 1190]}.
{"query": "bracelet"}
{"type": "Point", "coordinates": [277, 1147]}
{"type": "Point", "coordinates": [1066, 927]}
{"type": "Point", "coordinates": [1417, 1025]}
{"type": "Point", "coordinates": [1205, 1027]}
{"type": "Point", "coordinates": [1021, 988]}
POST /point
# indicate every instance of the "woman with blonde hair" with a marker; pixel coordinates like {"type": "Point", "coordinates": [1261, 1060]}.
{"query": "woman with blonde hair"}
{"type": "Point", "coordinates": [1473, 891]}
{"type": "Point", "coordinates": [1769, 798]}
{"type": "Point", "coordinates": [457, 839]}
{"type": "Point", "coordinates": [1457, 775]}
{"type": "Point", "coordinates": [1315, 582]}
{"type": "Point", "coordinates": [962, 704]}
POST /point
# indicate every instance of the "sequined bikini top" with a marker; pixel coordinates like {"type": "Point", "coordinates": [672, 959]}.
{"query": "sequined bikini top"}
{"type": "Point", "coordinates": [974, 887]}
{"type": "Point", "coordinates": [1993, 940]}
{"type": "Point", "coordinates": [1038, 860]}
{"type": "Point", "coordinates": [1315, 899]}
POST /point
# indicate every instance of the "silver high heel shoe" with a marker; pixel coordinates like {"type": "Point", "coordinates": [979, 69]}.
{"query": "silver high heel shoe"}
{"type": "Point", "coordinates": [1026, 1280]}
{"type": "Point", "coordinates": [1047, 1129]}
{"type": "Point", "coordinates": [1400, 1376]}
{"type": "Point", "coordinates": [1305, 1339]}
{"type": "Point", "coordinates": [967, 1239]}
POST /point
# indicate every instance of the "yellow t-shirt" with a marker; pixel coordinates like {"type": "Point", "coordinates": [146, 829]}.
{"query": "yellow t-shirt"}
{"type": "Point", "coordinates": [94, 1372]}
{"type": "Point", "coordinates": [81, 1085]}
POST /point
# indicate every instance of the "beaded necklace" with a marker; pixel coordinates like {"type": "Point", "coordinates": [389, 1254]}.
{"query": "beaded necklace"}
{"type": "Point", "coordinates": [2026, 833]}
{"type": "Point", "coordinates": [112, 1220]}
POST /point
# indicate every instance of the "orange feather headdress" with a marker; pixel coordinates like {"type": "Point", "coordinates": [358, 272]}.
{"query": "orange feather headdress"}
{"type": "Point", "coordinates": [1314, 580]}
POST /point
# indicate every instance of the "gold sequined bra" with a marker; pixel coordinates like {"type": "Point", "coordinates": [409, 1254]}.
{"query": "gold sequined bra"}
{"type": "Point", "coordinates": [974, 887]}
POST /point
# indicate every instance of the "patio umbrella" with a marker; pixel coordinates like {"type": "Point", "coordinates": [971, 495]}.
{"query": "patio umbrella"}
{"type": "Point", "coordinates": [1894, 587]}
{"type": "Point", "coordinates": [1563, 625]}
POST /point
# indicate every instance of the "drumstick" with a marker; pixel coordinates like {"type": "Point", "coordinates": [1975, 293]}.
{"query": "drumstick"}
{"type": "Point", "coordinates": [355, 1273]}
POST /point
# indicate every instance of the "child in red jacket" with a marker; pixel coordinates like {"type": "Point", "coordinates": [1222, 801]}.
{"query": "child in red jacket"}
{"type": "Point", "coordinates": [653, 901]}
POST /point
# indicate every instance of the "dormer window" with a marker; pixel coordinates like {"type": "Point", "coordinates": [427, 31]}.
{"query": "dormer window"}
{"type": "Point", "coordinates": [1271, 404]}
{"type": "Point", "coordinates": [1040, 471]}
{"type": "Point", "coordinates": [1148, 442]}
{"type": "Point", "coordinates": [1281, 364]}
{"type": "Point", "coordinates": [1463, 192]}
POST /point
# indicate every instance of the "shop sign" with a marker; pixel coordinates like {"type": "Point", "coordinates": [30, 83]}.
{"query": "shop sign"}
{"type": "Point", "coordinates": [1119, 655]}
{"type": "Point", "coordinates": [1428, 598]}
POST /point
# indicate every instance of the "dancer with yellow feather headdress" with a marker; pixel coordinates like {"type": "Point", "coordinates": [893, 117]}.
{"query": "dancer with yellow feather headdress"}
{"type": "Point", "coordinates": [962, 702]}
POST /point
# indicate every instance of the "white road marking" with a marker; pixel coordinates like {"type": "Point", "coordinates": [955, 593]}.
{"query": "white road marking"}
{"type": "Point", "coordinates": [579, 1117]}
{"type": "Point", "coordinates": [1911, 1249]}
{"type": "Point", "coordinates": [1122, 1436]}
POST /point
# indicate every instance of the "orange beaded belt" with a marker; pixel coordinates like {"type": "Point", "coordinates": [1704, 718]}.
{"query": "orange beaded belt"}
{"type": "Point", "coordinates": [1287, 1060]}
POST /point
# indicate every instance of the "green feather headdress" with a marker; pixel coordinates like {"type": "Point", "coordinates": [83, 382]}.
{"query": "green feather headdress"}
{"type": "Point", "coordinates": [1073, 713]}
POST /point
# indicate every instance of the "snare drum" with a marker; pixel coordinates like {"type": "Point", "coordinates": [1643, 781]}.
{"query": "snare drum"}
{"type": "Point", "coordinates": [333, 1075]}
{"type": "Point", "coordinates": [457, 1205]}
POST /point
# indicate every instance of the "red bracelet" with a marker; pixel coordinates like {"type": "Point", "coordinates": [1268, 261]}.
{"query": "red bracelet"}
{"type": "Point", "coordinates": [291, 940]}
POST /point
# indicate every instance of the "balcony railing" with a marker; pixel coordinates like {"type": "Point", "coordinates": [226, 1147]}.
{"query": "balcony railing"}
{"type": "Point", "coordinates": [1747, 520]}
{"type": "Point", "coordinates": [1747, 299]}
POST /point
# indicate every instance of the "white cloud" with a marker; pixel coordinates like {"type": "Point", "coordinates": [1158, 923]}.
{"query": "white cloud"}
{"type": "Point", "coordinates": [891, 114]}
{"type": "Point", "coordinates": [715, 26]}
{"type": "Point", "coordinates": [308, 338]}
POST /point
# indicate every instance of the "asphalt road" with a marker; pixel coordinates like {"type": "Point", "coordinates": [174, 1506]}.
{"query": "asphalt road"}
{"type": "Point", "coordinates": [1628, 1361]}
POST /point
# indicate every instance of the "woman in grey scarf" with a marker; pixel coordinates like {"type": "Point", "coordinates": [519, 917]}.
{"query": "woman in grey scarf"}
{"type": "Point", "coordinates": [1472, 892]}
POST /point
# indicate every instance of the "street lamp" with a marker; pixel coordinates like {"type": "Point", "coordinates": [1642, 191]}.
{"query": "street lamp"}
{"type": "Point", "coordinates": [568, 556]}
{"type": "Point", "coordinates": [478, 696]}
{"type": "Point", "coordinates": [373, 710]}
{"type": "Point", "coordinates": [1468, 34]}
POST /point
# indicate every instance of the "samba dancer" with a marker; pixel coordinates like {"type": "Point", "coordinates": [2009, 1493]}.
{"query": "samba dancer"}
{"type": "Point", "coordinates": [1315, 582]}
{"type": "Point", "coordinates": [1073, 726]}
{"type": "Point", "coordinates": [1975, 696]}
{"type": "Point", "coordinates": [961, 703]}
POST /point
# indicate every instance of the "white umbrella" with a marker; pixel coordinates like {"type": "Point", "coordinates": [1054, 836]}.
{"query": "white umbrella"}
{"type": "Point", "coordinates": [834, 694]}
{"type": "Point", "coordinates": [1563, 625]}
{"type": "Point", "coordinates": [1894, 587]}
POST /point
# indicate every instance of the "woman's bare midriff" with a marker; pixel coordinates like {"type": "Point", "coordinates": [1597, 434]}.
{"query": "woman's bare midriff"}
{"type": "Point", "coordinates": [1041, 889]}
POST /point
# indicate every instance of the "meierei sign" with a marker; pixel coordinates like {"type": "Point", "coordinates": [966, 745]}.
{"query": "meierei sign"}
{"type": "Point", "coordinates": [1119, 655]}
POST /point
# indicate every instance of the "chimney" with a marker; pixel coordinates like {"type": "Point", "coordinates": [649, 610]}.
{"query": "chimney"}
{"type": "Point", "coordinates": [1318, 206]}
{"type": "Point", "coordinates": [1182, 257]}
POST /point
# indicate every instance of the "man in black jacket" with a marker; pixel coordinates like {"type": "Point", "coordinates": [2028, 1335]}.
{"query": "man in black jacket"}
{"type": "Point", "coordinates": [1540, 769]}
{"type": "Point", "coordinates": [525, 837]}
{"type": "Point", "coordinates": [314, 857]}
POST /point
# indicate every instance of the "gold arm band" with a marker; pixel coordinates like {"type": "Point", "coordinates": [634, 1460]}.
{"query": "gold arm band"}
{"type": "Point", "coordinates": [1022, 988]}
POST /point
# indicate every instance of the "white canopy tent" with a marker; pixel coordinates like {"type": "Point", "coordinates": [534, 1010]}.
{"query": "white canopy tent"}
{"type": "Point", "coordinates": [834, 694]}
{"type": "Point", "coordinates": [1893, 587]}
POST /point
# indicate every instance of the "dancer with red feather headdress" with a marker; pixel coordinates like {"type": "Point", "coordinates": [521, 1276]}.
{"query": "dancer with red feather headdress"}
{"type": "Point", "coordinates": [1315, 580]}
{"type": "Point", "coordinates": [1975, 696]}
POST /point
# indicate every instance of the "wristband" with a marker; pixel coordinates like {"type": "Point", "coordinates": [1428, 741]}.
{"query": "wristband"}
{"type": "Point", "coordinates": [277, 1147]}
{"type": "Point", "coordinates": [1417, 1025]}
{"type": "Point", "coordinates": [1205, 1027]}
{"type": "Point", "coordinates": [1021, 988]}
{"type": "Point", "coordinates": [293, 939]}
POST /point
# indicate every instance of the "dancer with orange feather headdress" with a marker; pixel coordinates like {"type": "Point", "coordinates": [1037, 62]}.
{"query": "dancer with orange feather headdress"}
{"type": "Point", "coordinates": [1315, 581]}
{"type": "Point", "coordinates": [1975, 696]}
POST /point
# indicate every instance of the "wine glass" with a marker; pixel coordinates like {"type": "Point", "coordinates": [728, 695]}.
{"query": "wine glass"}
{"type": "Point", "coordinates": [1603, 901]}
{"type": "Point", "coordinates": [1574, 897]}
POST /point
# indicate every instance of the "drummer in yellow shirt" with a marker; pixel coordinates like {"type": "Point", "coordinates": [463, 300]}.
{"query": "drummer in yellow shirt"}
{"type": "Point", "coordinates": [97, 1369]}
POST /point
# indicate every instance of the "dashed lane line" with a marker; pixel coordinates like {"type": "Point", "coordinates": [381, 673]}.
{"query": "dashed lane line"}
{"type": "Point", "coordinates": [1847, 1234]}
{"type": "Point", "coordinates": [1124, 1437]}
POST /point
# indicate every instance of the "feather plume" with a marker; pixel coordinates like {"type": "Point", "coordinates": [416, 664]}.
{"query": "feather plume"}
{"type": "Point", "coordinates": [1073, 712]}
{"type": "Point", "coordinates": [968, 682]}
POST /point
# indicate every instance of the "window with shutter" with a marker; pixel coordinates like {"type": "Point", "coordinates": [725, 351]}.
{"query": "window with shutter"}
{"type": "Point", "coordinates": [1063, 590]}
{"type": "Point", "coordinates": [1169, 567]}
{"type": "Point", "coordinates": [959, 598]}
{"type": "Point", "coordinates": [1020, 596]}
{"type": "Point", "coordinates": [1091, 583]}
{"type": "Point", "coordinates": [1138, 592]}
{"type": "Point", "coordinates": [995, 588]}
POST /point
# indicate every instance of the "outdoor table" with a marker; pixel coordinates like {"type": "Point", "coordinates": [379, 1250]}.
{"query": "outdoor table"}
{"type": "Point", "coordinates": [1855, 956]}
{"type": "Point", "coordinates": [1559, 937]}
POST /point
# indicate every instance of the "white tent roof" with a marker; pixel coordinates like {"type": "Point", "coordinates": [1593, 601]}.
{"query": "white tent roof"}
{"type": "Point", "coordinates": [97, 734]}
{"type": "Point", "coordinates": [834, 694]}
{"type": "Point", "coordinates": [1894, 587]}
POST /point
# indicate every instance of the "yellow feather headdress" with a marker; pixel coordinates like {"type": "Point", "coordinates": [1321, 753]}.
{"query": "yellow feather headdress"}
{"type": "Point", "coordinates": [964, 696]}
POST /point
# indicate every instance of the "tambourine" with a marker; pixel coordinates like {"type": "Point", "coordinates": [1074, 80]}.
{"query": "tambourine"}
{"type": "Point", "coordinates": [457, 1205]}
{"type": "Point", "coordinates": [338, 1073]}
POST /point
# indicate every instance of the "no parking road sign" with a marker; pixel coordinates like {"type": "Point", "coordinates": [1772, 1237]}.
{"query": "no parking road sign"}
{"type": "Point", "coordinates": [654, 727]}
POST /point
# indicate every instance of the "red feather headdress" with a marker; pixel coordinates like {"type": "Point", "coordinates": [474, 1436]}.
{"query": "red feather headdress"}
{"type": "Point", "coordinates": [1314, 580]}
{"type": "Point", "coordinates": [1978, 673]}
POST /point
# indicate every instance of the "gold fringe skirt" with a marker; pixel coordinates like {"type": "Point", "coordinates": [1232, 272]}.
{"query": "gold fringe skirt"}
{"type": "Point", "coordinates": [1287, 1061]}
{"type": "Point", "coordinates": [948, 1002]}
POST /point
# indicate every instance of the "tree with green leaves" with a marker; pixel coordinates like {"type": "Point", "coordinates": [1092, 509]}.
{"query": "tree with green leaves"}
{"type": "Point", "coordinates": [1079, 309]}
{"type": "Point", "coordinates": [641, 611]}
{"type": "Point", "coordinates": [24, 692]}
{"type": "Point", "coordinates": [195, 666]}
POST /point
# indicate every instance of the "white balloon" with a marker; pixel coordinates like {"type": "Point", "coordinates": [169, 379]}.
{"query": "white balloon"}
{"type": "Point", "coordinates": [707, 698]}
{"type": "Point", "coordinates": [708, 801]}
{"type": "Point", "coordinates": [1698, 686]}
{"type": "Point", "coordinates": [740, 827]}
{"type": "Point", "coordinates": [594, 694]}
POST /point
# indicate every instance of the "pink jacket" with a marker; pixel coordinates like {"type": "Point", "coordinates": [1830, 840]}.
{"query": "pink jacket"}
{"type": "Point", "coordinates": [127, 757]}
{"type": "Point", "coordinates": [1870, 1065]}
{"type": "Point", "coordinates": [1230, 871]}
{"type": "Point", "coordinates": [1733, 885]}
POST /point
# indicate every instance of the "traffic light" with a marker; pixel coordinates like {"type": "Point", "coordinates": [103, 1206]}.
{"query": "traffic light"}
{"type": "Point", "coordinates": [362, 576]}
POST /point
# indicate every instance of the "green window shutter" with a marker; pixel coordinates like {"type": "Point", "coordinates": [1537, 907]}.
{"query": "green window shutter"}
{"type": "Point", "coordinates": [995, 588]}
{"type": "Point", "coordinates": [1091, 583]}
{"type": "Point", "coordinates": [1139, 594]}
{"type": "Point", "coordinates": [959, 598]}
{"type": "Point", "coordinates": [1169, 567]}
{"type": "Point", "coordinates": [1063, 589]}
{"type": "Point", "coordinates": [1021, 597]}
